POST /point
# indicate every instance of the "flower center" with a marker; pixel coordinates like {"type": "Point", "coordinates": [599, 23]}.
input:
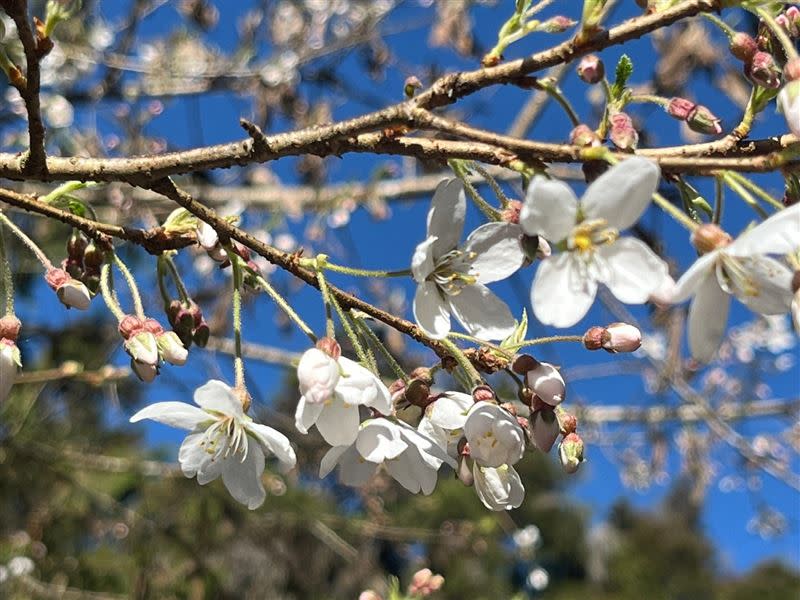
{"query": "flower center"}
{"type": "Point", "coordinates": [587, 235]}
{"type": "Point", "coordinates": [452, 272]}
{"type": "Point", "coordinates": [225, 437]}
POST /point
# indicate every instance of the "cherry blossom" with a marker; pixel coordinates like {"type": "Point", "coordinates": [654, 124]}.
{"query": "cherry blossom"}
{"type": "Point", "coordinates": [410, 457]}
{"type": "Point", "coordinates": [495, 438]}
{"type": "Point", "coordinates": [444, 418]}
{"type": "Point", "coordinates": [451, 278]}
{"type": "Point", "coordinates": [336, 415]}
{"type": "Point", "coordinates": [546, 382]}
{"type": "Point", "coordinates": [741, 268]}
{"type": "Point", "coordinates": [498, 488]}
{"type": "Point", "coordinates": [222, 441]}
{"type": "Point", "coordinates": [317, 374]}
{"type": "Point", "coordinates": [588, 231]}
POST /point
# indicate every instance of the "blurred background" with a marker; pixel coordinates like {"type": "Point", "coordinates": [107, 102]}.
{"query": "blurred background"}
{"type": "Point", "coordinates": [674, 501]}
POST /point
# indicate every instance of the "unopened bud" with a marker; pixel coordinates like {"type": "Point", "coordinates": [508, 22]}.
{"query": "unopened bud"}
{"type": "Point", "coordinates": [523, 363]}
{"type": "Point", "coordinates": [791, 70]}
{"type": "Point", "coordinates": [201, 334]}
{"type": "Point", "coordinates": [483, 393]}
{"type": "Point", "coordinates": [152, 326]}
{"type": "Point", "coordinates": [411, 86]}
{"type": "Point", "coordinates": [464, 471]}
{"type": "Point", "coordinates": [571, 452]}
{"type": "Point", "coordinates": [546, 382]}
{"type": "Point", "coordinates": [206, 236]}
{"type": "Point", "coordinates": [708, 237]}
{"type": "Point", "coordinates": [621, 337]}
{"type": "Point", "coordinates": [680, 108]}
{"type": "Point", "coordinates": [584, 136]}
{"type": "Point", "coordinates": [369, 595]}
{"type": "Point", "coordinates": [743, 46]}
{"type": "Point", "coordinates": [793, 19]}
{"type": "Point", "coordinates": [74, 294]}
{"type": "Point", "coordinates": [762, 70]}
{"type": "Point", "coordinates": [130, 325]}
{"type": "Point", "coordinates": [424, 583]}
{"type": "Point", "coordinates": [93, 256]}
{"type": "Point", "coordinates": [593, 338]}
{"type": "Point", "coordinates": [702, 120]}
{"type": "Point", "coordinates": [423, 374]}
{"type": "Point", "coordinates": [144, 371]}
{"type": "Point", "coordinates": [591, 69]}
{"type": "Point", "coordinates": [9, 327]}
{"type": "Point", "coordinates": [544, 429]}
{"type": "Point", "coordinates": [171, 348]}
{"type": "Point", "coordinates": [623, 134]}
{"type": "Point", "coordinates": [568, 423]}
{"type": "Point", "coordinates": [330, 347]}
{"type": "Point", "coordinates": [557, 24]}
{"type": "Point", "coordinates": [143, 348]}
{"type": "Point", "coordinates": [510, 214]}
{"type": "Point", "coordinates": [76, 246]}
{"type": "Point", "coordinates": [418, 393]}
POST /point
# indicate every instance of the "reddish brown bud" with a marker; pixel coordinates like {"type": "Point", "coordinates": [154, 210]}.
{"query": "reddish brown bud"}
{"type": "Point", "coordinates": [680, 108]}
{"type": "Point", "coordinates": [762, 70]}
{"type": "Point", "coordinates": [93, 256]}
{"type": "Point", "coordinates": [796, 281]}
{"type": "Point", "coordinates": [152, 326]}
{"type": "Point", "coordinates": [76, 245]}
{"type": "Point", "coordinates": [56, 278]}
{"type": "Point", "coordinates": [623, 134]}
{"type": "Point", "coordinates": [593, 338]}
{"type": "Point", "coordinates": [523, 363]}
{"type": "Point", "coordinates": [330, 347]}
{"type": "Point", "coordinates": [702, 120]}
{"type": "Point", "coordinates": [709, 237]}
{"type": "Point", "coordinates": [525, 396]}
{"type": "Point", "coordinates": [9, 327]}
{"type": "Point", "coordinates": [418, 393]}
{"type": "Point", "coordinates": [483, 393]}
{"type": "Point", "coordinates": [201, 334]}
{"type": "Point", "coordinates": [743, 46]}
{"type": "Point", "coordinates": [423, 374]}
{"type": "Point", "coordinates": [568, 423]}
{"type": "Point", "coordinates": [591, 69]}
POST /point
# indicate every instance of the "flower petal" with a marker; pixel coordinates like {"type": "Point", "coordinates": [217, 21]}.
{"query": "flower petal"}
{"type": "Point", "coordinates": [498, 251]}
{"type": "Point", "coordinates": [422, 263]}
{"type": "Point", "coordinates": [446, 216]}
{"type": "Point", "coordinates": [306, 415]}
{"type": "Point", "coordinates": [693, 278]}
{"type": "Point", "coordinates": [560, 296]}
{"type": "Point", "coordinates": [550, 209]}
{"type": "Point", "coordinates": [429, 450]}
{"type": "Point", "coordinates": [430, 310]}
{"type": "Point", "coordinates": [500, 488]}
{"type": "Point", "coordinates": [634, 270]}
{"type": "Point", "coordinates": [780, 234]}
{"type": "Point", "coordinates": [359, 386]}
{"type": "Point", "coordinates": [412, 473]}
{"type": "Point", "coordinates": [338, 423]}
{"type": "Point", "coordinates": [770, 285]}
{"type": "Point", "coordinates": [449, 411]}
{"type": "Point", "coordinates": [708, 316]}
{"type": "Point", "coordinates": [482, 313]}
{"type": "Point", "coordinates": [192, 455]}
{"type": "Point", "coordinates": [275, 442]}
{"type": "Point", "coordinates": [243, 477]}
{"type": "Point", "coordinates": [622, 194]}
{"type": "Point", "coordinates": [353, 470]}
{"type": "Point", "coordinates": [174, 414]}
{"type": "Point", "coordinates": [379, 440]}
{"type": "Point", "coordinates": [331, 459]}
{"type": "Point", "coordinates": [218, 396]}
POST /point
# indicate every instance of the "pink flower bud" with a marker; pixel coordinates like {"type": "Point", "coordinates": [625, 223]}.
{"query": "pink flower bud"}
{"type": "Point", "coordinates": [763, 71]}
{"type": "Point", "coordinates": [145, 372]}
{"type": "Point", "coordinates": [9, 327]}
{"type": "Point", "coordinates": [171, 348]}
{"type": "Point", "coordinates": [709, 237]}
{"type": "Point", "coordinates": [621, 337]}
{"type": "Point", "coordinates": [584, 136]}
{"type": "Point", "coordinates": [702, 120]}
{"type": "Point", "coordinates": [623, 135]}
{"type": "Point", "coordinates": [568, 423]}
{"type": "Point", "coordinates": [557, 24]}
{"type": "Point", "coordinates": [591, 69]}
{"type": "Point", "coordinates": [743, 46]}
{"type": "Point", "coordinates": [424, 583]}
{"type": "Point", "coordinates": [201, 334]}
{"type": "Point", "coordinates": [130, 325]}
{"type": "Point", "coordinates": [793, 18]}
{"type": "Point", "coordinates": [369, 595]}
{"type": "Point", "coordinates": [483, 393]}
{"type": "Point", "coordinates": [546, 382]}
{"type": "Point", "coordinates": [570, 452]}
{"type": "Point", "coordinates": [545, 429]}
{"type": "Point", "coordinates": [510, 214]}
{"type": "Point", "coordinates": [330, 347]}
{"type": "Point", "coordinates": [680, 108]}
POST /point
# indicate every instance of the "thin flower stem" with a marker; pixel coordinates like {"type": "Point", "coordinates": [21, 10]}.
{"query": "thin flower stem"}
{"type": "Point", "coordinates": [176, 277]}
{"type": "Point", "coordinates": [757, 190]}
{"type": "Point", "coordinates": [238, 361]}
{"type": "Point", "coordinates": [29, 243]}
{"type": "Point", "coordinates": [8, 276]}
{"type": "Point", "coordinates": [162, 284]}
{"type": "Point", "coordinates": [744, 194]}
{"type": "Point", "coordinates": [461, 358]}
{"type": "Point", "coordinates": [330, 328]}
{"type": "Point", "coordinates": [556, 94]}
{"type": "Point", "coordinates": [284, 306]}
{"type": "Point", "coordinates": [365, 356]}
{"type": "Point", "coordinates": [366, 330]}
{"type": "Point", "coordinates": [469, 338]}
{"type": "Point", "coordinates": [726, 29]}
{"type": "Point", "coordinates": [66, 188]}
{"type": "Point", "coordinates": [719, 201]}
{"type": "Point", "coordinates": [498, 191]}
{"type": "Point", "coordinates": [779, 32]}
{"type": "Point", "coordinates": [649, 98]}
{"type": "Point", "coordinates": [487, 209]}
{"type": "Point", "coordinates": [138, 307]}
{"type": "Point", "coordinates": [310, 262]}
{"type": "Point", "coordinates": [548, 340]}
{"type": "Point", "coordinates": [107, 290]}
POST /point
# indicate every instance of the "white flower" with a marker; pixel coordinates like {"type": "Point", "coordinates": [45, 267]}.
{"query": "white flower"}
{"type": "Point", "coordinates": [566, 283]}
{"type": "Point", "coordinates": [451, 278]}
{"type": "Point", "coordinates": [171, 349]}
{"type": "Point", "coordinates": [444, 418]}
{"type": "Point", "coordinates": [10, 362]}
{"type": "Point", "coordinates": [222, 441]}
{"type": "Point", "coordinates": [544, 429]}
{"type": "Point", "coordinates": [318, 374]}
{"type": "Point", "coordinates": [74, 294]}
{"type": "Point", "coordinates": [789, 101]}
{"type": "Point", "coordinates": [545, 381]}
{"type": "Point", "coordinates": [20, 565]}
{"type": "Point", "coordinates": [408, 456]}
{"type": "Point", "coordinates": [498, 488]}
{"type": "Point", "coordinates": [495, 438]}
{"type": "Point", "coordinates": [743, 269]}
{"type": "Point", "coordinates": [337, 417]}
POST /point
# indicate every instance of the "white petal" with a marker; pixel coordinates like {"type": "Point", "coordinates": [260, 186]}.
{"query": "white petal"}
{"type": "Point", "coordinates": [359, 386]}
{"type": "Point", "coordinates": [550, 209]}
{"type": "Point", "coordinates": [560, 296]}
{"type": "Point", "coordinates": [770, 289]}
{"type": "Point", "coordinates": [192, 455]}
{"type": "Point", "coordinates": [450, 410]}
{"type": "Point", "coordinates": [218, 396]}
{"type": "Point", "coordinates": [708, 316]}
{"type": "Point", "coordinates": [499, 489]}
{"type": "Point", "coordinates": [622, 194]}
{"type": "Point", "coordinates": [379, 440]}
{"type": "Point", "coordinates": [338, 423]}
{"type": "Point", "coordinates": [412, 473]}
{"type": "Point", "coordinates": [497, 249]}
{"type": "Point", "coordinates": [8, 369]}
{"type": "Point", "coordinates": [174, 414]}
{"type": "Point", "coordinates": [789, 101]}
{"type": "Point", "coordinates": [482, 313]}
{"type": "Point", "coordinates": [634, 270]}
{"type": "Point", "coordinates": [422, 263]}
{"type": "Point", "coordinates": [430, 311]}
{"type": "Point", "coordinates": [306, 415]}
{"type": "Point", "coordinates": [438, 435]}
{"type": "Point", "coordinates": [354, 470]}
{"type": "Point", "coordinates": [687, 285]}
{"type": "Point", "coordinates": [243, 477]}
{"type": "Point", "coordinates": [446, 216]}
{"type": "Point", "coordinates": [317, 375]}
{"type": "Point", "coordinates": [331, 459]}
{"type": "Point", "coordinates": [431, 453]}
{"type": "Point", "coordinates": [780, 234]}
{"type": "Point", "coordinates": [275, 442]}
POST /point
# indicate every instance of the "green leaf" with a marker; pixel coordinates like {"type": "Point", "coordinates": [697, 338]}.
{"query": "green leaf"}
{"type": "Point", "coordinates": [519, 333]}
{"type": "Point", "coordinates": [180, 220]}
{"type": "Point", "coordinates": [623, 73]}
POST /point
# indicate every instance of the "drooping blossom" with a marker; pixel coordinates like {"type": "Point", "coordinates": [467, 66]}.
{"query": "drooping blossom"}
{"type": "Point", "coordinates": [566, 283]}
{"type": "Point", "coordinates": [451, 278]}
{"type": "Point", "coordinates": [222, 441]}
{"type": "Point", "coordinates": [498, 488]}
{"type": "Point", "coordinates": [411, 458]}
{"type": "Point", "coordinates": [740, 268]}
{"type": "Point", "coordinates": [495, 438]}
{"type": "Point", "coordinates": [443, 420]}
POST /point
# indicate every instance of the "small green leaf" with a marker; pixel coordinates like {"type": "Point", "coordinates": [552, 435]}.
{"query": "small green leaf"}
{"type": "Point", "coordinates": [623, 73]}
{"type": "Point", "coordinates": [519, 333]}
{"type": "Point", "coordinates": [179, 221]}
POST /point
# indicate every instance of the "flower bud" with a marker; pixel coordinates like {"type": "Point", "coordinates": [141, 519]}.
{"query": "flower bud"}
{"type": "Point", "coordinates": [584, 136]}
{"type": "Point", "coordinates": [330, 347]}
{"type": "Point", "coordinates": [557, 24]}
{"type": "Point", "coordinates": [71, 292]}
{"type": "Point", "coordinates": [369, 595]}
{"type": "Point", "coordinates": [591, 69]}
{"type": "Point", "coordinates": [424, 583]}
{"type": "Point", "coordinates": [423, 374]}
{"type": "Point", "coordinates": [623, 135]}
{"type": "Point", "coordinates": [145, 372]}
{"type": "Point", "coordinates": [544, 429]}
{"type": "Point", "coordinates": [708, 237]}
{"type": "Point", "coordinates": [792, 15]}
{"type": "Point", "coordinates": [76, 246]}
{"type": "Point", "coordinates": [418, 393]}
{"type": "Point", "coordinates": [621, 337]}
{"type": "Point", "coordinates": [9, 327]}
{"type": "Point", "coordinates": [201, 334]}
{"type": "Point", "coordinates": [546, 382]}
{"type": "Point", "coordinates": [152, 326]}
{"type": "Point", "coordinates": [567, 422]}
{"type": "Point", "coordinates": [93, 256]}
{"type": "Point", "coordinates": [510, 214]}
{"type": "Point", "coordinates": [464, 471]}
{"type": "Point", "coordinates": [570, 452]}
{"type": "Point", "coordinates": [143, 348]}
{"type": "Point", "coordinates": [130, 325]}
{"type": "Point", "coordinates": [411, 86]}
{"type": "Point", "coordinates": [743, 46]}
{"type": "Point", "coordinates": [171, 348]}
{"type": "Point", "coordinates": [206, 236]}
{"type": "Point", "coordinates": [702, 120]}
{"type": "Point", "coordinates": [680, 108]}
{"type": "Point", "coordinates": [593, 338]}
{"type": "Point", "coordinates": [523, 363]}
{"type": "Point", "coordinates": [483, 393]}
{"type": "Point", "coordinates": [762, 70]}
{"type": "Point", "coordinates": [317, 375]}
{"type": "Point", "coordinates": [789, 102]}
{"type": "Point", "coordinates": [10, 362]}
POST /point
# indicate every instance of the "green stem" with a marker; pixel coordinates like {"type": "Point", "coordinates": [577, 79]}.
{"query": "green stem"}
{"type": "Point", "coordinates": [365, 356]}
{"type": "Point", "coordinates": [778, 32]}
{"type": "Point", "coordinates": [745, 195]}
{"type": "Point", "coordinates": [107, 290]}
{"type": "Point", "coordinates": [602, 129]}
{"type": "Point", "coordinates": [366, 330]}
{"type": "Point", "coordinates": [138, 307]}
{"type": "Point", "coordinates": [29, 243]}
{"type": "Point", "coordinates": [177, 279]}
{"type": "Point", "coordinates": [548, 340]}
{"type": "Point", "coordinates": [65, 188]}
{"type": "Point", "coordinates": [498, 191]}
{"type": "Point", "coordinates": [757, 190]}
{"type": "Point", "coordinates": [162, 284]}
{"type": "Point", "coordinates": [487, 209]}
{"type": "Point", "coordinates": [719, 200]}
{"type": "Point", "coordinates": [330, 328]}
{"type": "Point", "coordinates": [461, 358]}
{"type": "Point", "coordinates": [238, 361]}
{"type": "Point", "coordinates": [310, 262]}
{"type": "Point", "coordinates": [726, 29]}
{"type": "Point", "coordinates": [556, 94]}
{"type": "Point", "coordinates": [649, 98]}
{"type": "Point", "coordinates": [8, 276]}
{"type": "Point", "coordinates": [480, 342]}
{"type": "Point", "coordinates": [284, 306]}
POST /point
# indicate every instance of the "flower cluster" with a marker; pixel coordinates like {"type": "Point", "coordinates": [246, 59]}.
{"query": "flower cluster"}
{"type": "Point", "coordinates": [148, 344]}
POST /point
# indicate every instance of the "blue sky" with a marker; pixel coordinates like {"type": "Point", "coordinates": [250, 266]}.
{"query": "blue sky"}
{"type": "Point", "coordinates": [371, 244]}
